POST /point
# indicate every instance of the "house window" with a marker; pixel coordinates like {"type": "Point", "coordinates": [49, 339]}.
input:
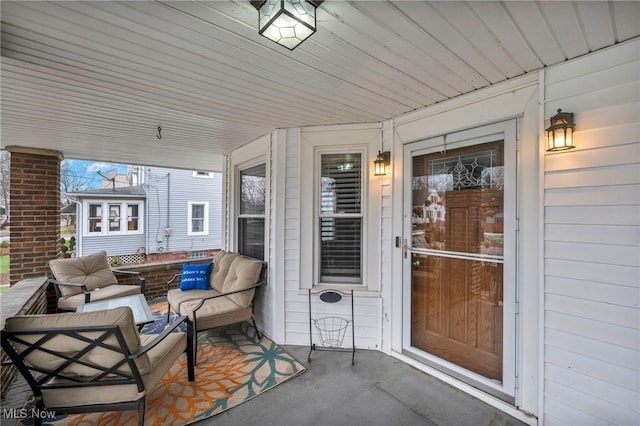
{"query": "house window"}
{"type": "Point", "coordinates": [251, 217]}
{"type": "Point", "coordinates": [198, 218]}
{"type": "Point", "coordinates": [339, 218]}
{"type": "Point", "coordinates": [340, 208]}
{"type": "Point", "coordinates": [112, 213]}
{"type": "Point", "coordinates": [114, 218]}
{"type": "Point", "coordinates": [133, 217]}
{"type": "Point", "coordinates": [95, 218]}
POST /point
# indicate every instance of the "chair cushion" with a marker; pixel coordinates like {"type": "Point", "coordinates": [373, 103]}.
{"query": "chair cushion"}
{"type": "Point", "coordinates": [243, 273]}
{"type": "Point", "coordinates": [216, 312]}
{"type": "Point", "coordinates": [93, 271]}
{"type": "Point", "coordinates": [118, 290]}
{"type": "Point", "coordinates": [221, 264]}
{"type": "Point", "coordinates": [195, 277]}
{"type": "Point", "coordinates": [176, 297]}
{"type": "Point", "coordinates": [121, 317]}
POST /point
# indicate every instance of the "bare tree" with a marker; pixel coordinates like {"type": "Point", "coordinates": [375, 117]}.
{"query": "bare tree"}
{"type": "Point", "coordinates": [71, 181]}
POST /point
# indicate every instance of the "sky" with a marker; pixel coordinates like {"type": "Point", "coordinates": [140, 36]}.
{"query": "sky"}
{"type": "Point", "coordinates": [89, 169]}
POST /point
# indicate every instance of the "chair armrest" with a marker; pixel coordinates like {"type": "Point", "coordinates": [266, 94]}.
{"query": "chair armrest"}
{"type": "Point", "coordinates": [83, 288]}
{"type": "Point", "coordinates": [137, 274]}
{"type": "Point", "coordinates": [168, 329]}
{"type": "Point", "coordinates": [175, 277]}
{"type": "Point", "coordinates": [204, 299]}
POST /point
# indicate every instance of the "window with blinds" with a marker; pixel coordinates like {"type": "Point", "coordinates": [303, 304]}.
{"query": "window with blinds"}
{"type": "Point", "coordinates": [340, 218]}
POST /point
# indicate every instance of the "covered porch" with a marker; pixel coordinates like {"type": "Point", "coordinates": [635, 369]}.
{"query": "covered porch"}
{"type": "Point", "coordinates": [193, 85]}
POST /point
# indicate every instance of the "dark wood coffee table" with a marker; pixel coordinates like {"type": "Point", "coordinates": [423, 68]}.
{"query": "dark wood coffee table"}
{"type": "Point", "coordinates": [141, 313]}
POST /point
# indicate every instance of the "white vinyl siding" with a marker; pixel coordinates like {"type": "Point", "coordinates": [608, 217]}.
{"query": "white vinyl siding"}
{"type": "Point", "coordinates": [592, 243]}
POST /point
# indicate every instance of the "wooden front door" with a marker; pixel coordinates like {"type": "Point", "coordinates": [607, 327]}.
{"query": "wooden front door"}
{"type": "Point", "coordinates": [457, 257]}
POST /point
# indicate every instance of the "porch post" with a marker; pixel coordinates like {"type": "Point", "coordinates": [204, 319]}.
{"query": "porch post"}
{"type": "Point", "coordinates": [34, 208]}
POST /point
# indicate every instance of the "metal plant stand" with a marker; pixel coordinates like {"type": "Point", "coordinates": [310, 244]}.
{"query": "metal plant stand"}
{"type": "Point", "coordinates": [331, 330]}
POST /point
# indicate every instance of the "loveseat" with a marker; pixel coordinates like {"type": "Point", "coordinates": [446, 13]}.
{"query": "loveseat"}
{"type": "Point", "coordinates": [215, 294]}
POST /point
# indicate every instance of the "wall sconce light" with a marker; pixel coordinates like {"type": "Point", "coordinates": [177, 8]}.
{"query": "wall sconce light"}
{"type": "Point", "coordinates": [381, 162]}
{"type": "Point", "coordinates": [287, 22]}
{"type": "Point", "coordinates": [560, 133]}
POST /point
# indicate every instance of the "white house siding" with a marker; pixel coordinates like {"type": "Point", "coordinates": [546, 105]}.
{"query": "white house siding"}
{"type": "Point", "coordinates": [114, 245]}
{"type": "Point", "coordinates": [168, 194]}
{"type": "Point", "coordinates": [592, 243]}
{"type": "Point", "coordinates": [367, 304]}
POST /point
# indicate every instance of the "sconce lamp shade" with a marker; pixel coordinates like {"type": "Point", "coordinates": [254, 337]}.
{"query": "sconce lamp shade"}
{"type": "Point", "coordinates": [381, 162]}
{"type": "Point", "coordinates": [560, 133]}
{"type": "Point", "coordinates": [287, 22]}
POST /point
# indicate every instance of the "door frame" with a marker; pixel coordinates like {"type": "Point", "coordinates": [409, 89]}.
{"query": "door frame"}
{"type": "Point", "coordinates": [503, 130]}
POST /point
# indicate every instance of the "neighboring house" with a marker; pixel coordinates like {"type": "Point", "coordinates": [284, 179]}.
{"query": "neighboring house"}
{"type": "Point", "coordinates": [151, 214]}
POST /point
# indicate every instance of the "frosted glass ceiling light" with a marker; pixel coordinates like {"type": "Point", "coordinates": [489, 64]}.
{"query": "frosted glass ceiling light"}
{"type": "Point", "coordinates": [287, 22]}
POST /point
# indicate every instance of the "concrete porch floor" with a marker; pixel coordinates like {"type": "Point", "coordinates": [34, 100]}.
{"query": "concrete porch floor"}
{"type": "Point", "coordinates": [377, 390]}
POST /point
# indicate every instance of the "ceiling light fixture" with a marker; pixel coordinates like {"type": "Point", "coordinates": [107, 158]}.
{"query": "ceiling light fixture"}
{"type": "Point", "coordinates": [287, 22]}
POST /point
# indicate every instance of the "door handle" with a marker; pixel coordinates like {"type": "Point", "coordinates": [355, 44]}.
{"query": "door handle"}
{"type": "Point", "coordinates": [405, 248]}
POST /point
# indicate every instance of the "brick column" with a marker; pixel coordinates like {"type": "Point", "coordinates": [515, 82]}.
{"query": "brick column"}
{"type": "Point", "coordinates": [34, 200]}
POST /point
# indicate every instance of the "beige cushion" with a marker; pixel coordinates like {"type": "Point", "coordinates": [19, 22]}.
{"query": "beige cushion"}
{"type": "Point", "coordinates": [221, 264]}
{"type": "Point", "coordinates": [93, 271]}
{"type": "Point", "coordinates": [243, 273]}
{"type": "Point", "coordinates": [161, 358]}
{"type": "Point", "coordinates": [177, 297]}
{"type": "Point", "coordinates": [122, 317]}
{"type": "Point", "coordinates": [216, 312]}
{"type": "Point", "coordinates": [118, 290]}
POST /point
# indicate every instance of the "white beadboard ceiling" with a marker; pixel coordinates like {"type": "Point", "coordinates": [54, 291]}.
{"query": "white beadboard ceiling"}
{"type": "Point", "coordinates": [94, 79]}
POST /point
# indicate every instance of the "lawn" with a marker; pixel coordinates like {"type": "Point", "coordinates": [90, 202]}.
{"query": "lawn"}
{"type": "Point", "coordinates": [4, 264]}
{"type": "Point", "coordinates": [4, 269]}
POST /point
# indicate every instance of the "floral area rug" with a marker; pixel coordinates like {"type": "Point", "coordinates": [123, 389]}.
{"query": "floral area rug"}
{"type": "Point", "coordinates": [233, 367]}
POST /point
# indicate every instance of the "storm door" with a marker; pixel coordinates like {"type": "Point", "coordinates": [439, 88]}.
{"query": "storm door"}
{"type": "Point", "coordinates": [459, 280]}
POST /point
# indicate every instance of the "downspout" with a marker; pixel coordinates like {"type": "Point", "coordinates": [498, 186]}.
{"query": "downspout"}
{"type": "Point", "coordinates": [79, 225]}
{"type": "Point", "coordinates": [167, 229]}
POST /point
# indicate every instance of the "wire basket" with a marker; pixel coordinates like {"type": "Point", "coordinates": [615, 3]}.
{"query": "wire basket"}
{"type": "Point", "coordinates": [331, 331]}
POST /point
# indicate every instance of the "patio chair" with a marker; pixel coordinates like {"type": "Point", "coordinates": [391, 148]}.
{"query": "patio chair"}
{"type": "Point", "coordinates": [228, 297]}
{"type": "Point", "coordinates": [91, 361]}
{"type": "Point", "coordinates": [88, 279]}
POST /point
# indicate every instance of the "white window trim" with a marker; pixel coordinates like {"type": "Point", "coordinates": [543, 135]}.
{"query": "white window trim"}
{"type": "Point", "coordinates": [124, 230]}
{"type": "Point", "coordinates": [362, 150]}
{"type": "Point", "coordinates": [250, 155]}
{"type": "Point", "coordinates": [335, 140]}
{"type": "Point", "coordinates": [205, 225]}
